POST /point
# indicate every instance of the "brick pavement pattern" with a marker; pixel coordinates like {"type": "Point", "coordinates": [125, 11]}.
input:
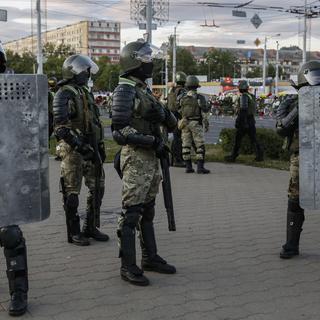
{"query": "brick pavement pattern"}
{"type": "Point", "coordinates": [230, 226]}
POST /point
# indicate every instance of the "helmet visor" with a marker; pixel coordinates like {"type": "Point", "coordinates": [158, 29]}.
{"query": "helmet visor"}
{"type": "Point", "coordinates": [312, 76]}
{"type": "Point", "coordinates": [147, 53]}
{"type": "Point", "coordinates": [83, 63]}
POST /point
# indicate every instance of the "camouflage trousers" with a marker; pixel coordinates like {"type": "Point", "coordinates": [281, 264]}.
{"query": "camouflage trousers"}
{"type": "Point", "coordinates": [293, 191]}
{"type": "Point", "coordinates": [74, 168]}
{"type": "Point", "coordinates": [141, 176]}
{"type": "Point", "coordinates": [193, 132]}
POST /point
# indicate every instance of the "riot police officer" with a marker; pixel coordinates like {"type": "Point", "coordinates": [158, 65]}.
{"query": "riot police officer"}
{"type": "Point", "coordinates": [288, 127]}
{"type": "Point", "coordinates": [52, 84]}
{"type": "Point", "coordinates": [245, 122]}
{"type": "Point", "coordinates": [81, 148]}
{"type": "Point", "coordinates": [15, 250]}
{"type": "Point", "coordinates": [174, 93]}
{"type": "Point", "coordinates": [193, 110]}
{"type": "Point", "coordinates": [136, 120]}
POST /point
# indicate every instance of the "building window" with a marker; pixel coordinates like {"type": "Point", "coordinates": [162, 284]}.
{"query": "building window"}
{"type": "Point", "coordinates": [108, 25]}
{"type": "Point", "coordinates": [91, 24]}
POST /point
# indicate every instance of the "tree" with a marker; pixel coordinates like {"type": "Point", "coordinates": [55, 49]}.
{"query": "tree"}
{"type": "Point", "coordinates": [219, 64]}
{"type": "Point", "coordinates": [24, 63]}
{"type": "Point", "coordinates": [54, 58]}
{"type": "Point", "coordinates": [255, 73]}
{"type": "Point", "coordinates": [107, 76]}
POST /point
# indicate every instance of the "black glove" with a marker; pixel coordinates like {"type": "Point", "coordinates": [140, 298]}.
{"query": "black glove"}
{"type": "Point", "coordinates": [102, 151]}
{"type": "Point", "coordinates": [154, 114]}
{"type": "Point", "coordinates": [86, 151]}
{"type": "Point", "coordinates": [161, 148]}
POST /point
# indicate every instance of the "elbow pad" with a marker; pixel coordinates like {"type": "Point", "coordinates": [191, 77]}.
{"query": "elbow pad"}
{"type": "Point", "coordinates": [135, 139]}
{"type": "Point", "coordinates": [287, 125]}
{"type": "Point", "coordinates": [69, 137]}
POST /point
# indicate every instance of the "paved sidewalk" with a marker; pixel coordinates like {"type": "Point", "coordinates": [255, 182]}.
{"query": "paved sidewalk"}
{"type": "Point", "coordinates": [230, 224]}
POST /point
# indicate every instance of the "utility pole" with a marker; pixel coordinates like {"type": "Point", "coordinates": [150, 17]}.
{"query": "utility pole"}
{"type": "Point", "coordinates": [264, 64]}
{"type": "Point", "coordinates": [174, 53]}
{"type": "Point", "coordinates": [277, 71]}
{"type": "Point", "coordinates": [166, 71]}
{"type": "Point", "coordinates": [149, 10]}
{"type": "Point", "coordinates": [304, 53]}
{"type": "Point", "coordinates": [39, 42]}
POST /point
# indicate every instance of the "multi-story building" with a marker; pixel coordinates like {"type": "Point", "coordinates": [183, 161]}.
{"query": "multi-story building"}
{"type": "Point", "coordinates": [93, 38]}
{"type": "Point", "coordinates": [249, 59]}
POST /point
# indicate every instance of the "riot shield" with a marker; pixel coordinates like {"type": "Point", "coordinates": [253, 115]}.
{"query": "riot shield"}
{"type": "Point", "coordinates": [24, 164]}
{"type": "Point", "coordinates": [309, 143]}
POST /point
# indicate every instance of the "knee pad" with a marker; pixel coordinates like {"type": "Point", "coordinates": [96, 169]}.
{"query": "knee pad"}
{"type": "Point", "coordinates": [10, 236]}
{"type": "Point", "coordinates": [130, 216]}
{"type": "Point", "coordinates": [72, 201]}
{"type": "Point", "coordinates": [201, 149]}
{"type": "Point", "coordinates": [148, 211]}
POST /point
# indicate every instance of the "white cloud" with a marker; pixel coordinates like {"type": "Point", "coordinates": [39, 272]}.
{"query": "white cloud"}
{"type": "Point", "coordinates": [62, 12]}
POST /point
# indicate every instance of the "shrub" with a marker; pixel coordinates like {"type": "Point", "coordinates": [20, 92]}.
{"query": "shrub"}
{"type": "Point", "coordinates": [270, 141]}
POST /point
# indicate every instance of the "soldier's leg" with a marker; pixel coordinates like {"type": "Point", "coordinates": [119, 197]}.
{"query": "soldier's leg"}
{"type": "Point", "coordinates": [198, 138]}
{"type": "Point", "coordinates": [71, 179]}
{"type": "Point", "coordinates": [253, 138]}
{"type": "Point", "coordinates": [236, 147]}
{"type": "Point", "coordinates": [186, 148]}
{"type": "Point", "coordinates": [295, 214]}
{"type": "Point", "coordinates": [136, 166]}
{"type": "Point", "coordinates": [92, 219]}
{"type": "Point", "coordinates": [15, 251]}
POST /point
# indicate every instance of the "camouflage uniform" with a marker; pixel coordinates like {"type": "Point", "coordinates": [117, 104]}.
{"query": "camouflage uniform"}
{"type": "Point", "coordinates": [192, 107]}
{"type": "Point", "coordinates": [176, 147]}
{"type": "Point", "coordinates": [136, 120]}
{"type": "Point", "coordinates": [82, 119]}
{"type": "Point", "coordinates": [295, 214]}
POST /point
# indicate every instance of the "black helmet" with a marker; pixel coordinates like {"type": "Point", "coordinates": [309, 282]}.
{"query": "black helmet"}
{"type": "Point", "coordinates": [181, 78]}
{"type": "Point", "coordinates": [243, 85]}
{"type": "Point", "coordinates": [135, 55]}
{"type": "Point", "coordinates": [78, 67]}
{"type": "Point", "coordinates": [192, 82]}
{"type": "Point", "coordinates": [309, 73]}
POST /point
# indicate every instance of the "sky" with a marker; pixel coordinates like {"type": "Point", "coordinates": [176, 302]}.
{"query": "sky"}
{"type": "Point", "coordinates": [190, 13]}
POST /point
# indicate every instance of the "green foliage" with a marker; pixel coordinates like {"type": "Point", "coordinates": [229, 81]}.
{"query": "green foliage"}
{"type": "Point", "coordinates": [108, 75]}
{"type": "Point", "coordinates": [220, 63]}
{"type": "Point", "coordinates": [255, 73]}
{"type": "Point", "coordinates": [270, 141]}
{"type": "Point", "coordinates": [25, 63]}
{"type": "Point", "coordinates": [54, 58]}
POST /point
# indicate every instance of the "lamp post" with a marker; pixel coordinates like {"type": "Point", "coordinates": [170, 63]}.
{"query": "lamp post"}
{"type": "Point", "coordinates": [264, 71]}
{"type": "Point", "coordinates": [174, 52]}
{"type": "Point", "coordinates": [277, 71]}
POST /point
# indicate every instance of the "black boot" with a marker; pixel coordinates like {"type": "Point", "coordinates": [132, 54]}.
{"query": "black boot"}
{"type": "Point", "coordinates": [75, 236]}
{"type": "Point", "coordinates": [189, 168]}
{"type": "Point", "coordinates": [259, 154]}
{"type": "Point", "coordinates": [92, 220]}
{"type": "Point", "coordinates": [71, 203]}
{"type": "Point", "coordinates": [127, 224]}
{"type": "Point", "coordinates": [201, 168]}
{"type": "Point", "coordinates": [295, 219]}
{"type": "Point", "coordinates": [15, 252]}
{"type": "Point", "coordinates": [151, 261]}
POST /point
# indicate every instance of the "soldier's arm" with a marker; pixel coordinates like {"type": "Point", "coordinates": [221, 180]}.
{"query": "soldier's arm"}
{"type": "Point", "coordinates": [122, 112]}
{"type": "Point", "coordinates": [61, 113]}
{"type": "Point", "coordinates": [203, 104]}
{"type": "Point", "coordinates": [287, 116]}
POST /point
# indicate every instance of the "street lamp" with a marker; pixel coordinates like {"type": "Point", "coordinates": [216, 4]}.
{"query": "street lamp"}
{"type": "Point", "coordinates": [264, 71]}
{"type": "Point", "coordinates": [277, 70]}
{"type": "Point", "coordinates": [174, 52]}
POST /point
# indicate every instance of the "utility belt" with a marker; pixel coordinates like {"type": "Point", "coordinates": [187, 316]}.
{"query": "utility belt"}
{"type": "Point", "coordinates": [194, 118]}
